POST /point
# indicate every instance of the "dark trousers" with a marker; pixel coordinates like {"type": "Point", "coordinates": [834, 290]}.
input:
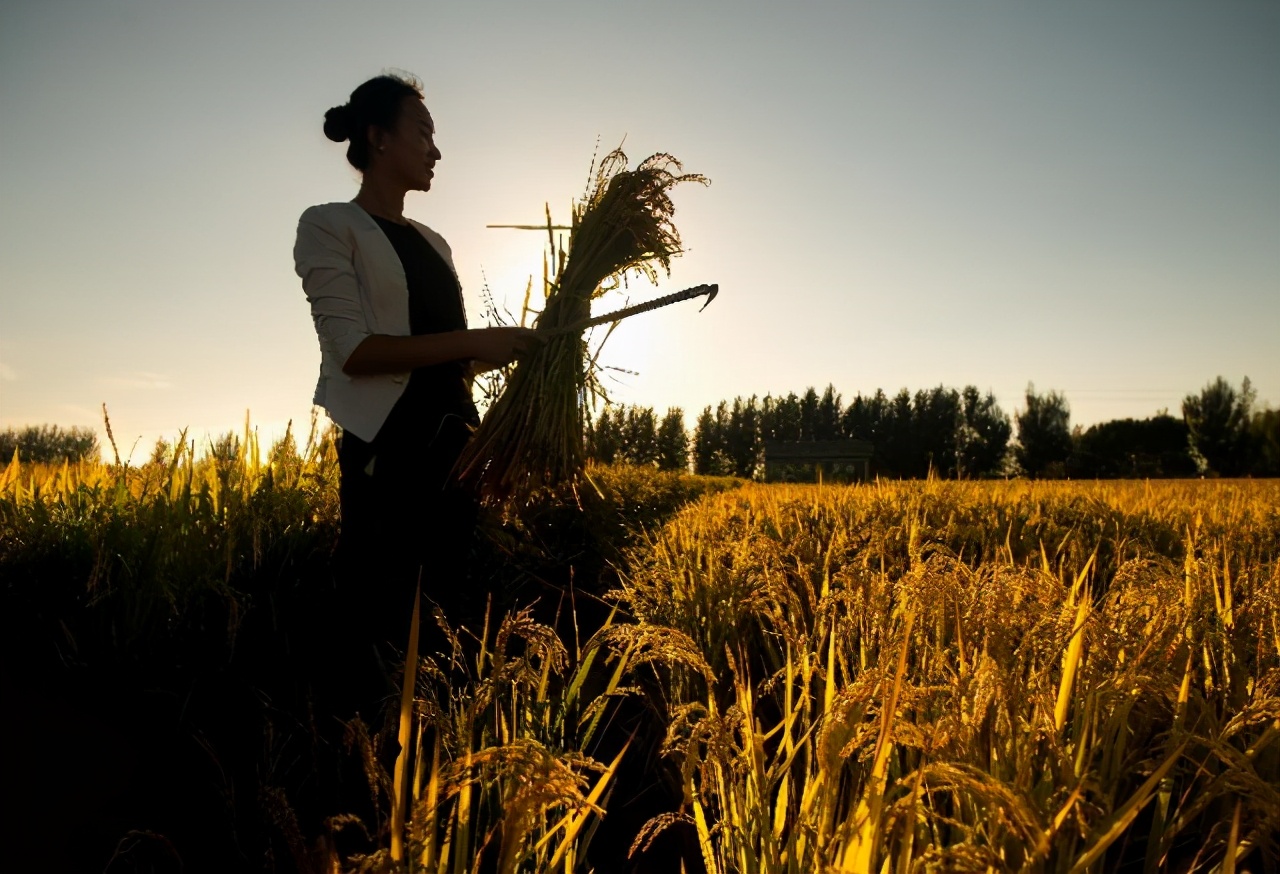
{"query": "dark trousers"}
{"type": "Point", "coordinates": [403, 522]}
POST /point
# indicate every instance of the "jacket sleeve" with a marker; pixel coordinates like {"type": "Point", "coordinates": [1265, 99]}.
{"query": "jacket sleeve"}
{"type": "Point", "coordinates": [326, 264]}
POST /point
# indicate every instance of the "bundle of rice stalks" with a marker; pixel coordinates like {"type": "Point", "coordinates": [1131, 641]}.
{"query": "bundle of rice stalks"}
{"type": "Point", "coordinates": [531, 436]}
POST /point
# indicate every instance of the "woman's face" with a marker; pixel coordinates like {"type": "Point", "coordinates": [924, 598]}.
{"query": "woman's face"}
{"type": "Point", "coordinates": [408, 154]}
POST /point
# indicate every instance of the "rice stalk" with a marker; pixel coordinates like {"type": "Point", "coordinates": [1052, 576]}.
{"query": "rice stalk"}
{"type": "Point", "coordinates": [399, 799]}
{"type": "Point", "coordinates": [1072, 673]}
{"type": "Point", "coordinates": [531, 437]}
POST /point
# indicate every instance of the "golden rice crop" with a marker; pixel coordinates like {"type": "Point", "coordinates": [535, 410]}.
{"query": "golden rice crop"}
{"type": "Point", "coordinates": [1037, 677]}
{"type": "Point", "coordinates": [890, 677]}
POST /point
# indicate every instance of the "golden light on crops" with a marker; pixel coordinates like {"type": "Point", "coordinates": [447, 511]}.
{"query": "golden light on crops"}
{"type": "Point", "coordinates": [1036, 676]}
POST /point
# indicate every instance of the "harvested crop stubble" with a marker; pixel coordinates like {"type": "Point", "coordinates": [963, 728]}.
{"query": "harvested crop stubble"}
{"type": "Point", "coordinates": [532, 435]}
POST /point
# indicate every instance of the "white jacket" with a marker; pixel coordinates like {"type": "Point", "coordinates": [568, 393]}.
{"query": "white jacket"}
{"type": "Point", "coordinates": [356, 285]}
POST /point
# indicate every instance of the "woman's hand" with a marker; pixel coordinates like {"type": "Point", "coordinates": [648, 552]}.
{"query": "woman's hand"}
{"type": "Point", "coordinates": [498, 347]}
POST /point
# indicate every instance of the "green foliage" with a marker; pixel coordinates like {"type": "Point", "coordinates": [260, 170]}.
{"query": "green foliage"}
{"type": "Point", "coordinates": [47, 444]}
{"type": "Point", "coordinates": [632, 435]}
{"type": "Point", "coordinates": [1264, 437]}
{"type": "Point", "coordinates": [603, 436]}
{"type": "Point", "coordinates": [936, 420]}
{"type": "Point", "coordinates": [741, 439]}
{"type": "Point", "coordinates": [640, 437]}
{"type": "Point", "coordinates": [938, 431]}
{"type": "Point", "coordinates": [781, 418]}
{"type": "Point", "coordinates": [982, 439]}
{"type": "Point", "coordinates": [1137, 448]}
{"type": "Point", "coordinates": [899, 453]}
{"type": "Point", "coordinates": [673, 442]}
{"type": "Point", "coordinates": [951, 434]}
{"type": "Point", "coordinates": [711, 443]}
{"type": "Point", "coordinates": [1044, 434]}
{"type": "Point", "coordinates": [1218, 421]}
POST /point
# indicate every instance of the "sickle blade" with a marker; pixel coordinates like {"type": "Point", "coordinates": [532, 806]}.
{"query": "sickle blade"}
{"type": "Point", "coordinates": [688, 294]}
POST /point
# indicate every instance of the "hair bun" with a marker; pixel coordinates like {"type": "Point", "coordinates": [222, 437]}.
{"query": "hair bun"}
{"type": "Point", "coordinates": [337, 123]}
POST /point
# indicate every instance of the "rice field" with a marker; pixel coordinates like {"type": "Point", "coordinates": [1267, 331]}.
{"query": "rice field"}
{"type": "Point", "coordinates": [888, 677]}
{"type": "Point", "coordinates": [973, 676]}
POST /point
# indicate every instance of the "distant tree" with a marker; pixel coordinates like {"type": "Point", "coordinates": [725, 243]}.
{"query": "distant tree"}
{"type": "Point", "coordinates": [673, 442]}
{"type": "Point", "coordinates": [1044, 433]}
{"type": "Point", "coordinates": [722, 461]}
{"type": "Point", "coordinates": [780, 418]}
{"type": "Point", "coordinates": [1218, 423]}
{"type": "Point", "coordinates": [982, 435]}
{"type": "Point", "coordinates": [742, 443]}
{"type": "Point", "coordinates": [604, 438]}
{"type": "Point", "coordinates": [896, 451]}
{"type": "Point", "coordinates": [45, 444]}
{"type": "Point", "coordinates": [935, 418]}
{"type": "Point", "coordinates": [868, 418]}
{"type": "Point", "coordinates": [639, 432]}
{"type": "Point", "coordinates": [809, 414]}
{"type": "Point", "coordinates": [768, 415]}
{"type": "Point", "coordinates": [827, 420]}
{"type": "Point", "coordinates": [708, 444]}
{"type": "Point", "coordinates": [1141, 448]}
{"type": "Point", "coordinates": [1264, 432]}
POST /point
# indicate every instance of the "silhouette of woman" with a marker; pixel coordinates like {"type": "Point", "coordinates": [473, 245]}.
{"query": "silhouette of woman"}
{"type": "Point", "coordinates": [396, 360]}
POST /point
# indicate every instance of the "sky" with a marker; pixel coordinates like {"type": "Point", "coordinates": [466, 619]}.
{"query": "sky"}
{"type": "Point", "coordinates": [1082, 196]}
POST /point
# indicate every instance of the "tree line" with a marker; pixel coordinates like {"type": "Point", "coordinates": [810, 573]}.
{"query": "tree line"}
{"type": "Point", "coordinates": [951, 432]}
{"type": "Point", "coordinates": [47, 444]}
{"type": "Point", "coordinates": [942, 431]}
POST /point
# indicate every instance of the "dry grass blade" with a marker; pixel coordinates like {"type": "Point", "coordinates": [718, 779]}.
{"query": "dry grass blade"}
{"type": "Point", "coordinates": [867, 824]}
{"type": "Point", "coordinates": [577, 819]}
{"type": "Point", "coordinates": [1233, 844]}
{"type": "Point", "coordinates": [1123, 817]}
{"type": "Point", "coordinates": [400, 800]}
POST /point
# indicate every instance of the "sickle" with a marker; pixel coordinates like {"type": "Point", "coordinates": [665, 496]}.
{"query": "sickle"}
{"type": "Point", "coordinates": [688, 294]}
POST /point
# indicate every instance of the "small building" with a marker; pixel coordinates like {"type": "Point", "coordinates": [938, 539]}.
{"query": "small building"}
{"type": "Point", "coordinates": [833, 459]}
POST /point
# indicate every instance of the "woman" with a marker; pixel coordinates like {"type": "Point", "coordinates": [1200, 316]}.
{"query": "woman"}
{"type": "Point", "coordinates": [395, 370]}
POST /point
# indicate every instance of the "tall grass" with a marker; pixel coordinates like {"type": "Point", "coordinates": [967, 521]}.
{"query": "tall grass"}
{"type": "Point", "coordinates": [502, 770]}
{"type": "Point", "coordinates": [189, 578]}
{"type": "Point", "coordinates": [125, 551]}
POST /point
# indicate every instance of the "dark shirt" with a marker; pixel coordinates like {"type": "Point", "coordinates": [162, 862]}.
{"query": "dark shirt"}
{"type": "Point", "coordinates": [435, 306]}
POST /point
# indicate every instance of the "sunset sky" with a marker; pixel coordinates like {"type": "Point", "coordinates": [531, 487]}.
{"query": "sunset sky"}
{"type": "Point", "coordinates": [1085, 196]}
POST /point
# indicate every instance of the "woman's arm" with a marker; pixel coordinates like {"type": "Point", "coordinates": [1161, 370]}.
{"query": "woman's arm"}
{"type": "Point", "coordinates": [324, 262]}
{"type": "Point", "coordinates": [382, 353]}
